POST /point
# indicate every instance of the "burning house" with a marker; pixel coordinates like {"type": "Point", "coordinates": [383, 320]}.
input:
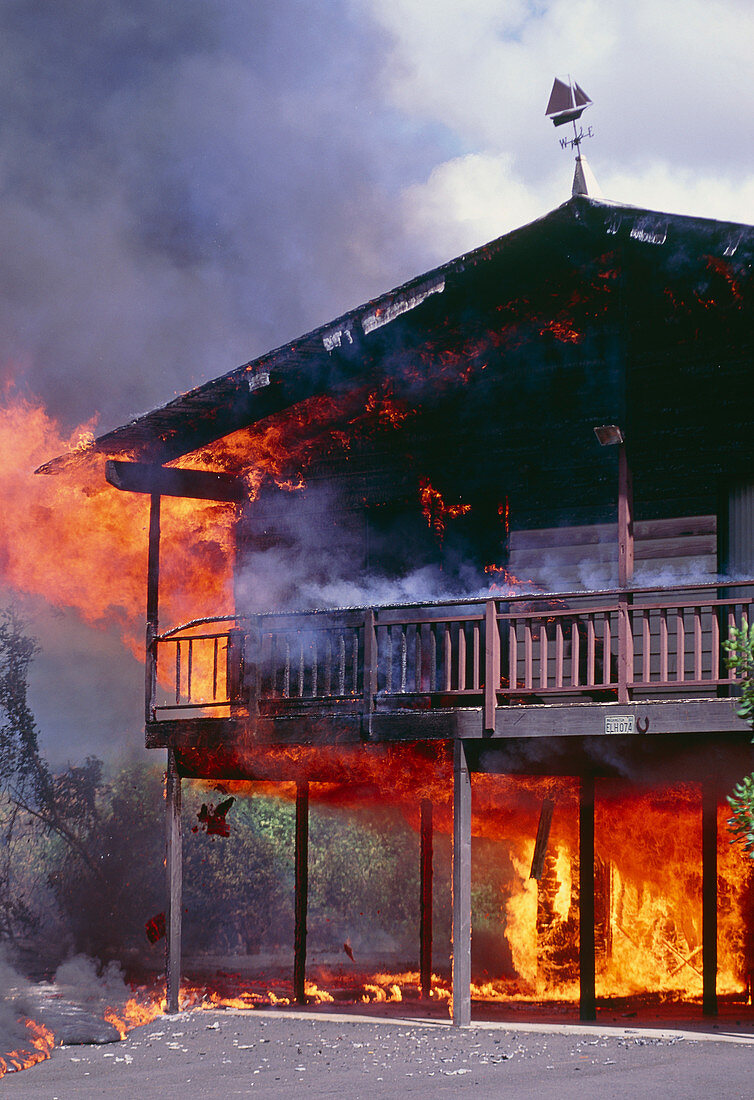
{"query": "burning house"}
{"type": "Point", "coordinates": [494, 523]}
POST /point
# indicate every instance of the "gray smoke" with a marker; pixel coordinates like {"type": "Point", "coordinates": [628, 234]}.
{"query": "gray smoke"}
{"type": "Point", "coordinates": [184, 187]}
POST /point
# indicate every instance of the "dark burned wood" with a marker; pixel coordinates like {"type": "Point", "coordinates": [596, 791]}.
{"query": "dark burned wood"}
{"type": "Point", "coordinates": [687, 758]}
{"type": "Point", "coordinates": [139, 477]}
{"type": "Point", "coordinates": [709, 897]}
{"type": "Point", "coordinates": [543, 835]}
{"type": "Point", "coordinates": [587, 994]}
{"type": "Point", "coordinates": [713, 719]}
{"type": "Point", "coordinates": [584, 719]}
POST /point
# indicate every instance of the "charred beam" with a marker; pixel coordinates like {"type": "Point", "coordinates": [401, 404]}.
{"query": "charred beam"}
{"type": "Point", "coordinates": [140, 477]}
{"type": "Point", "coordinates": [425, 899]}
{"type": "Point", "coordinates": [461, 888]}
{"type": "Point", "coordinates": [174, 872]}
{"type": "Point", "coordinates": [543, 835]}
{"type": "Point", "coordinates": [587, 994]}
{"type": "Point", "coordinates": [709, 898]}
{"type": "Point", "coordinates": [301, 890]}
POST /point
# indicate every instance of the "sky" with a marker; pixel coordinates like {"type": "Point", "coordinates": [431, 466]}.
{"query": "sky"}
{"type": "Point", "coordinates": [185, 186]}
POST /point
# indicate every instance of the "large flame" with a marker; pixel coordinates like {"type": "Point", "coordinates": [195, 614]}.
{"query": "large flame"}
{"type": "Point", "coordinates": [81, 544]}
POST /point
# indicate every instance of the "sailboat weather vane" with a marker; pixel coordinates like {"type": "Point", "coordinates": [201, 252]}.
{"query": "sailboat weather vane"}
{"type": "Point", "coordinates": [567, 103]}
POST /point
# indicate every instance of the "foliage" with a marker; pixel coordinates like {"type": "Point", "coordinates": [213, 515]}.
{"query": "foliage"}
{"type": "Point", "coordinates": [740, 659]}
{"type": "Point", "coordinates": [235, 888]}
{"type": "Point", "coordinates": [82, 856]}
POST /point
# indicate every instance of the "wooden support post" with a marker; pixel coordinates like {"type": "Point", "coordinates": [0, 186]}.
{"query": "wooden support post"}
{"type": "Point", "coordinates": [625, 519]}
{"type": "Point", "coordinates": [301, 890]}
{"type": "Point", "coordinates": [625, 574]}
{"type": "Point", "coordinates": [174, 871]}
{"type": "Point", "coordinates": [153, 603]}
{"type": "Point", "coordinates": [461, 888]}
{"type": "Point", "coordinates": [492, 670]}
{"type": "Point", "coordinates": [425, 899]}
{"type": "Point", "coordinates": [370, 668]}
{"type": "Point", "coordinates": [709, 899]}
{"type": "Point", "coordinates": [587, 994]}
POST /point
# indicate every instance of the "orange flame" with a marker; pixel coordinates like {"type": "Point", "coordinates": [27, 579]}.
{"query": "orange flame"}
{"type": "Point", "coordinates": [41, 1040]}
{"type": "Point", "coordinates": [434, 509]}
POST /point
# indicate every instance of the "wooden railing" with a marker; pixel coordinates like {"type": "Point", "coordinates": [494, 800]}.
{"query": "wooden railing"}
{"type": "Point", "coordinates": [643, 642]}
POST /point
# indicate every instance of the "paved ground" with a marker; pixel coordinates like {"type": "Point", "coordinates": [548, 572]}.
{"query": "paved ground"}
{"type": "Point", "coordinates": [281, 1053]}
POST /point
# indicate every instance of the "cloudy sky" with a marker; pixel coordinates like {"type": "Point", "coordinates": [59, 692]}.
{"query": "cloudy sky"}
{"type": "Point", "coordinates": [184, 186]}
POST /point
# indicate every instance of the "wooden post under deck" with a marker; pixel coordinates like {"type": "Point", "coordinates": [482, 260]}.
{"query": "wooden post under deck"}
{"type": "Point", "coordinates": [709, 899]}
{"type": "Point", "coordinates": [587, 994]}
{"type": "Point", "coordinates": [301, 890]}
{"type": "Point", "coordinates": [174, 871]}
{"type": "Point", "coordinates": [425, 899]}
{"type": "Point", "coordinates": [461, 888]}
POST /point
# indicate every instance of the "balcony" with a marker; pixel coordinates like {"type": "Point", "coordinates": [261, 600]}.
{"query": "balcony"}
{"type": "Point", "coordinates": [523, 665]}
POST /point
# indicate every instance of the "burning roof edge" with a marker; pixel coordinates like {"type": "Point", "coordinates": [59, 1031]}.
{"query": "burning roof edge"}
{"type": "Point", "coordinates": [324, 360]}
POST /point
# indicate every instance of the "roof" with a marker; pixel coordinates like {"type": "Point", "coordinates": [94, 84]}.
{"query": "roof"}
{"type": "Point", "coordinates": [342, 352]}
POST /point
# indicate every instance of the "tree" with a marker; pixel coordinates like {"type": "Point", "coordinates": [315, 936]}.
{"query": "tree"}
{"type": "Point", "coordinates": [740, 657]}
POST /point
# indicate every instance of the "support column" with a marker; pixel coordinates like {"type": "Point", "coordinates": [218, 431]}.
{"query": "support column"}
{"type": "Point", "coordinates": [709, 899]}
{"type": "Point", "coordinates": [625, 573]}
{"type": "Point", "coordinates": [153, 593]}
{"type": "Point", "coordinates": [587, 995]}
{"type": "Point", "coordinates": [461, 888]}
{"type": "Point", "coordinates": [174, 871]}
{"type": "Point", "coordinates": [301, 890]}
{"type": "Point", "coordinates": [425, 899]}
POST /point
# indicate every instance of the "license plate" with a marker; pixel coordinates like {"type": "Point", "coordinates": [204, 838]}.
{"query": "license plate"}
{"type": "Point", "coordinates": [620, 723]}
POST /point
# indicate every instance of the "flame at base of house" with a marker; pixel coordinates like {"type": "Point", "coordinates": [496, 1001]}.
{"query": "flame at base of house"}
{"type": "Point", "coordinates": [36, 1048]}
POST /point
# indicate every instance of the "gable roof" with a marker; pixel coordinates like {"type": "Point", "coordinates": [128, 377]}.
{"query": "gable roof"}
{"type": "Point", "coordinates": [342, 352]}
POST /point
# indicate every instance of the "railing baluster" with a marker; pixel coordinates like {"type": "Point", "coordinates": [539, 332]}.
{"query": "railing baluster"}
{"type": "Point", "coordinates": [558, 653]}
{"type": "Point", "coordinates": [475, 657]}
{"type": "Point", "coordinates": [446, 658]}
{"type": "Point", "coordinates": [341, 664]}
{"type": "Point", "coordinates": [680, 642]}
{"type": "Point", "coordinates": [512, 655]}
{"type": "Point", "coordinates": [404, 656]}
{"type": "Point", "coordinates": [327, 663]}
{"type": "Point", "coordinates": [355, 661]}
{"type": "Point", "coordinates": [607, 651]}
{"type": "Point", "coordinates": [388, 640]}
{"type": "Point", "coordinates": [528, 655]}
{"type": "Point", "coordinates": [214, 670]}
{"type": "Point", "coordinates": [419, 679]}
{"type": "Point", "coordinates": [177, 672]}
{"type": "Point", "coordinates": [663, 645]}
{"type": "Point", "coordinates": [462, 656]}
{"type": "Point", "coordinates": [189, 669]}
{"type": "Point", "coordinates": [432, 657]}
{"type": "Point", "coordinates": [543, 655]}
{"type": "Point", "coordinates": [575, 681]}
{"type": "Point", "coordinates": [715, 645]}
{"type": "Point", "coordinates": [315, 669]}
{"type": "Point", "coordinates": [697, 643]}
{"type": "Point", "coordinates": [646, 641]}
{"type": "Point", "coordinates": [590, 651]}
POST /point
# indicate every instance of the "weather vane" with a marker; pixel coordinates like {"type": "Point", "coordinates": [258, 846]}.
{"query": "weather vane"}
{"type": "Point", "coordinates": [567, 103]}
